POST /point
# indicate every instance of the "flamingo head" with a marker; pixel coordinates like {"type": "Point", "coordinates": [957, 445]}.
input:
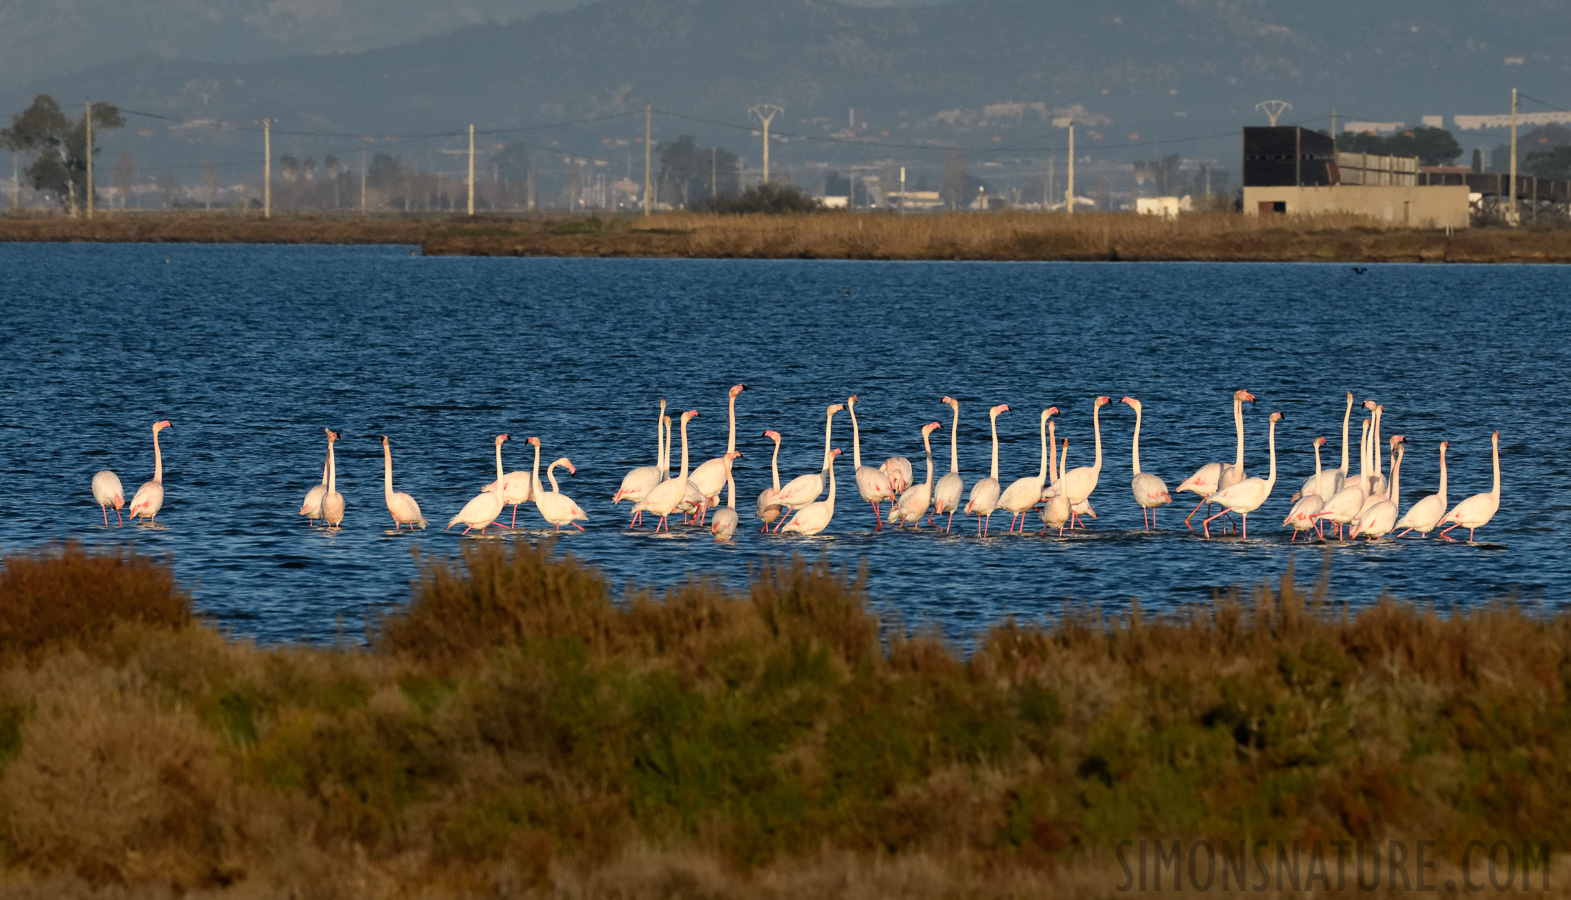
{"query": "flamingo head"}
{"type": "Point", "coordinates": [1133, 403]}
{"type": "Point", "coordinates": [384, 440]}
{"type": "Point", "coordinates": [1397, 439]}
{"type": "Point", "coordinates": [533, 440]}
{"type": "Point", "coordinates": [1369, 404]}
{"type": "Point", "coordinates": [331, 435]}
{"type": "Point", "coordinates": [1103, 401]}
{"type": "Point", "coordinates": [662, 406]}
{"type": "Point", "coordinates": [1320, 441]}
{"type": "Point", "coordinates": [1000, 408]}
{"type": "Point", "coordinates": [1495, 437]}
{"type": "Point", "coordinates": [1240, 396]}
{"type": "Point", "coordinates": [773, 435]}
{"type": "Point", "coordinates": [851, 400]}
{"type": "Point", "coordinates": [160, 426]}
{"type": "Point", "coordinates": [950, 402]}
{"type": "Point", "coordinates": [837, 407]}
{"type": "Point", "coordinates": [733, 454]}
{"type": "Point", "coordinates": [931, 427]}
{"type": "Point", "coordinates": [1050, 412]}
{"type": "Point", "coordinates": [500, 438]}
{"type": "Point", "coordinates": [571, 469]}
{"type": "Point", "coordinates": [1276, 417]}
{"type": "Point", "coordinates": [1444, 446]}
{"type": "Point", "coordinates": [737, 389]}
{"type": "Point", "coordinates": [835, 452]}
{"type": "Point", "coordinates": [690, 414]}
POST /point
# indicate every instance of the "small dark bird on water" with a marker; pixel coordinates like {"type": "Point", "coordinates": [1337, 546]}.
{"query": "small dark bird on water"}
{"type": "Point", "coordinates": [1359, 270]}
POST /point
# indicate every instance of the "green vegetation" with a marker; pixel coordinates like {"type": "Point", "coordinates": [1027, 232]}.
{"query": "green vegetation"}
{"type": "Point", "coordinates": [59, 147]}
{"type": "Point", "coordinates": [513, 731]}
{"type": "Point", "coordinates": [1432, 146]}
{"type": "Point", "coordinates": [769, 199]}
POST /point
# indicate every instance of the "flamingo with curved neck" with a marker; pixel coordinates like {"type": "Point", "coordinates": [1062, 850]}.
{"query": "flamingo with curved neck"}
{"type": "Point", "coordinates": [870, 483]}
{"type": "Point", "coordinates": [107, 492]}
{"type": "Point", "coordinates": [984, 494]}
{"type": "Point", "coordinates": [149, 498]}
{"type": "Point", "coordinates": [913, 504]}
{"type": "Point", "coordinates": [553, 505]}
{"type": "Point", "coordinates": [723, 525]}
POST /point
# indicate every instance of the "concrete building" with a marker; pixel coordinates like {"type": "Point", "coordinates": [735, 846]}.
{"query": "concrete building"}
{"type": "Point", "coordinates": [1298, 172]}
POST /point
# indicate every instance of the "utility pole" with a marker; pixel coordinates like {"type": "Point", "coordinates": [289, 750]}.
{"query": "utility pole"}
{"type": "Point", "coordinates": [88, 120]}
{"type": "Point", "coordinates": [471, 169]}
{"type": "Point", "coordinates": [362, 184]}
{"type": "Point", "coordinates": [765, 113]}
{"type": "Point", "coordinates": [267, 168]}
{"type": "Point", "coordinates": [714, 156]}
{"type": "Point", "coordinates": [16, 182]}
{"type": "Point", "coordinates": [648, 134]}
{"type": "Point", "coordinates": [1512, 218]}
{"type": "Point", "coordinates": [1047, 189]}
{"type": "Point", "coordinates": [902, 190]}
{"type": "Point", "coordinates": [1069, 192]}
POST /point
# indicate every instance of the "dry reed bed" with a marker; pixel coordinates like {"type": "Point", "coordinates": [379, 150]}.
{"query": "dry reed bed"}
{"type": "Point", "coordinates": [513, 731]}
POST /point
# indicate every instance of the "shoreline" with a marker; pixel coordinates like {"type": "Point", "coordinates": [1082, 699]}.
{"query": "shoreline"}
{"type": "Point", "coordinates": [1000, 237]}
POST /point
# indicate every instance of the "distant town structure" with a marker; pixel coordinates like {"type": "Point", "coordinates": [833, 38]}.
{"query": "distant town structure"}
{"type": "Point", "coordinates": [1293, 170]}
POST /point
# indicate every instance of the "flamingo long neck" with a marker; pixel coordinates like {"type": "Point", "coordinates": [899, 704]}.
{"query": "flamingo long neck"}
{"type": "Point", "coordinates": [1495, 491]}
{"type": "Point", "coordinates": [1096, 426]}
{"type": "Point", "coordinates": [332, 467]}
{"type": "Point", "coordinates": [1363, 454]}
{"type": "Point", "coordinates": [534, 473]}
{"type": "Point", "coordinates": [954, 442]}
{"type": "Point", "coordinates": [387, 470]}
{"type": "Point", "coordinates": [730, 443]}
{"type": "Point", "coordinates": [158, 458]}
{"type": "Point", "coordinates": [994, 417]}
{"type": "Point", "coordinates": [1271, 439]}
{"type": "Point", "coordinates": [550, 474]}
{"type": "Point", "coordinates": [1041, 470]}
{"type": "Point", "coordinates": [1347, 418]}
{"type": "Point", "coordinates": [829, 424]}
{"type": "Point", "coordinates": [684, 449]}
{"type": "Point", "coordinates": [660, 437]}
{"type": "Point", "coordinates": [1135, 452]}
{"type": "Point", "coordinates": [1063, 459]}
{"type": "Point", "coordinates": [1442, 476]}
{"type": "Point", "coordinates": [831, 484]}
{"type": "Point", "coordinates": [324, 470]}
{"type": "Point", "coordinates": [1374, 443]}
{"type": "Point", "coordinates": [730, 488]}
{"type": "Point", "coordinates": [665, 448]}
{"type": "Point", "coordinates": [1053, 472]}
{"type": "Point", "coordinates": [1238, 426]}
{"type": "Point", "coordinates": [928, 446]}
{"type": "Point", "coordinates": [774, 465]}
{"type": "Point", "coordinates": [1396, 474]}
{"type": "Point", "coordinates": [856, 437]}
{"type": "Point", "coordinates": [499, 475]}
{"type": "Point", "coordinates": [1317, 466]}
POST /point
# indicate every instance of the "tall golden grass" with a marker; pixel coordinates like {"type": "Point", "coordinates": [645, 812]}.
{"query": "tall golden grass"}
{"type": "Point", "coordinates": [515, 731]}
{"type": "Point", "coordinates": [1211, 236]}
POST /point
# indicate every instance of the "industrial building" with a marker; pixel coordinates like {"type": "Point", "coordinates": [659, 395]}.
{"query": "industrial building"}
{"type": "Point", "coordinates": [1293, 170]}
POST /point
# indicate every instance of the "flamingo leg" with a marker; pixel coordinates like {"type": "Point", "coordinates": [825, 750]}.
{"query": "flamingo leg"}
{"type": "Point", "coordinates": [578, 526]}
{"type": "Point", "coordinates": [1207, 523]}
{"type": "Point", "coordinates": [877, 519]}
{"type": "Point", "coordinates": [950, 524]}
{"type": "Point", "coordinates": [105, 510]}
{"type": "Point", "coordinates": [118, 520]}
{"type": "Point", "coordinates": [1246, 527]}
{"type": "Point", "coordinates": [1195, 510]}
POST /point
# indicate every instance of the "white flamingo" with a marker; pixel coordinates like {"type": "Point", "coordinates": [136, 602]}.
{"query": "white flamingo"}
{"type": "Point", "coordinates": [1025, 493]}
{"type": "Point", "coordinates": [814, 517]}
{"type": "Point", "coordinates": [709, 477]}
{"type": "Point", "coordinates": [1056, 511]}
{"type": "Point", "coordinates": [1248, 495]}
{"type": "Point", "coordinates": [1148, 489]}
{"type": "Point", "coordinates": [870, 483]}
{"type": "Point", "coordinates": [946, 496]}
{"type": "Point", "coordinates": [1208, 479]}
{"type": "Point", "coordinates": [805, 489]}
{"type": "Point", "coordinates": [1377, 521]}
{"type": "Point", "coordinates": [768, 510]}
{"type": "Point", "coordinates": [481, 512]}
{"type": "Point", "coordinates": [899, 472]}
{"type": "Point", "coordinates": [1476, 511]}
{"type": "Point", "coordinates": [311, 507]}
{"type": "Point", "coordinates": [984, 494]}
{"type": "Point", "coordinates": [553, 505]}
{"type": "Point", "coordinates": [518, 487]}
{"type": "Point", "coordinates": [1079, 483]}
{"type": "Point", "coordinates": [332, 501]}
{"type": "Point", "coordinates": [913, 504]}
{"type": "Point", "coordinates": [1380, 493]}
{"type": "Point", "coordinates": [107, 492]}
{"type": "Point", "coordinates": [149, 498]}
{"type": "Point", "coordinates": [664, 497]}
{"type": "Point", "coordinates": [1326, 482]}
{"type": "Point", "coordinates": [1346, 504]}
{"type": "Point", "coordinates": [663, 464]}
{"type": "Point", "coordinates": [402, 507]}
{"type": "Point", "coordinates": [1302, 516]}
{"type": "Point", "coordinates": [723, 525]}
{"type": "Point", "coordinates": [1424, 515]}
{"type": "Point", "coordinates": [636, 484]}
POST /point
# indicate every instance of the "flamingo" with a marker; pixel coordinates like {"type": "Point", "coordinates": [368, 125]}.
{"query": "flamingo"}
{"type": "Point", "coordinates": [1378, 520]}
{"type": "Point", "coordinates": [1301, 516]}
{"type": "Point", "coordinates": [107, 492]}
{"type": "Point", "coordinates": [913, 504]}
{"type": "Point", "coordinates": [1079, 483]}
{"type": "Point", "coordinates": [517, 488]}
{"type": "Point", "coordinates": [1476, 511]}
{"type": "Point", "coordinates": [481, 512]}
{"type": "Point", "coordinates": [1208, 479]}
{"type": "Point", "coordinates": [1325, 483]}
{"type": "Point", "coordinates": [984, 494]}
{"type": "Point", "coordinates": [663, 465]}
{"type": "Point", "coordinates": [1377, 481]}
{"type": "Point", "coordinates": [1025, 493]}
{"type": "Point", "coordinates": [1248, 495]}
{"type": "Point", "coordinates": [804, 489]}
{"type": "Point", "coordinates": [898, 470]}
{"type": "Point", "coordinates": [709, 477]}
{"type": "Point", "coordinates": [947, 495]}
{"type": "Point", "coordinates": [723, 525]}
{"type": "Point", "coordinates": [1148, 489]}
{"type": "Point", "coordinates": [636, 484]}
{"type": "Point", "coordinates": [1346, 504]}
{"type": "Point", "coordinates": [1424, 515]}
{"type": "Point", "coordinates": [1380, 492]}
{"type": "Point", "coordinates": [402, 507]}
{"type": "Point", "coordinates": [1056, 511]}
{"type": "Point", "coordinates": [664, 497]}
{"type": "Point", "coordinates": [768, 510]}
{"type": "Point", "coordinates": [553, 505]}
{"type": "Point", "coordinates": [332, 501]}
{"type": "Point", "coordinates": [814, 517]}
{"type": "Point", "coordinates": [870, 482]}
{"type": "Point", "coordinates": [149, 498]}
{"type": "Point", "coordinates": [311, 507]}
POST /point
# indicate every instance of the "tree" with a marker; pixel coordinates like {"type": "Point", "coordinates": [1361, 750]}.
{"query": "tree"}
{"type": "Point", "coordinates": [125, 176]}
{"type": "Point", "coordinates": [1554, 163]}
{"type": "Point", "coordinates": [688, 172]}
{"type": "Point", "coordinates": [59, 146]}
{"type": "Point", "coordinates": [210, 182]}
{"type": "Point", "coordinates": [774, 199]}
{"type": "Point", "coordinates": [289, 167]}
{"type": "Point", "coordinates": [332, 167]}
{"type": "Point", "coordinates": [954, 189]}
{"type": "Point", "coordinates": [167, 187]}
{"type": "Point", "coordinates": [1432, 146]}
{"type": "Point", "coordinates": [385, 170]}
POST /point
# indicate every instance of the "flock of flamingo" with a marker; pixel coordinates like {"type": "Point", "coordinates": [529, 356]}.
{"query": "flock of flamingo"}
{"type": "Point", "coordinates": [1364, 505]}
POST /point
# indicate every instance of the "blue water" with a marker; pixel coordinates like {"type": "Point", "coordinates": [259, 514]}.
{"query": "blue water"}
{"type": "Point", "coordinates": [251, 351]}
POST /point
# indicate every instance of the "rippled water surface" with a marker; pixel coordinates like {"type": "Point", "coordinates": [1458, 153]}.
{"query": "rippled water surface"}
{"type": "Point", "coordinates": [251, 351]}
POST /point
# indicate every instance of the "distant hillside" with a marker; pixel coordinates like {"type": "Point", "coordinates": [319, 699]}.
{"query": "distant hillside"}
{"type": "Point", "coordinates": [979, 72]}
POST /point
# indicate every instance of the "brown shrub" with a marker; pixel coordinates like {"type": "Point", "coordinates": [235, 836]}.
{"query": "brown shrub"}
{"type": "Point", "coordinates": [69, 595]}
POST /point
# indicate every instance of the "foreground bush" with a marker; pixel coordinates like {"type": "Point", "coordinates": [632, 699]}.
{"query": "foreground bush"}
{"type": "Point", "coordinates": [515, 731]}
{"type": "Point", "coordinates": [67, 596]}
